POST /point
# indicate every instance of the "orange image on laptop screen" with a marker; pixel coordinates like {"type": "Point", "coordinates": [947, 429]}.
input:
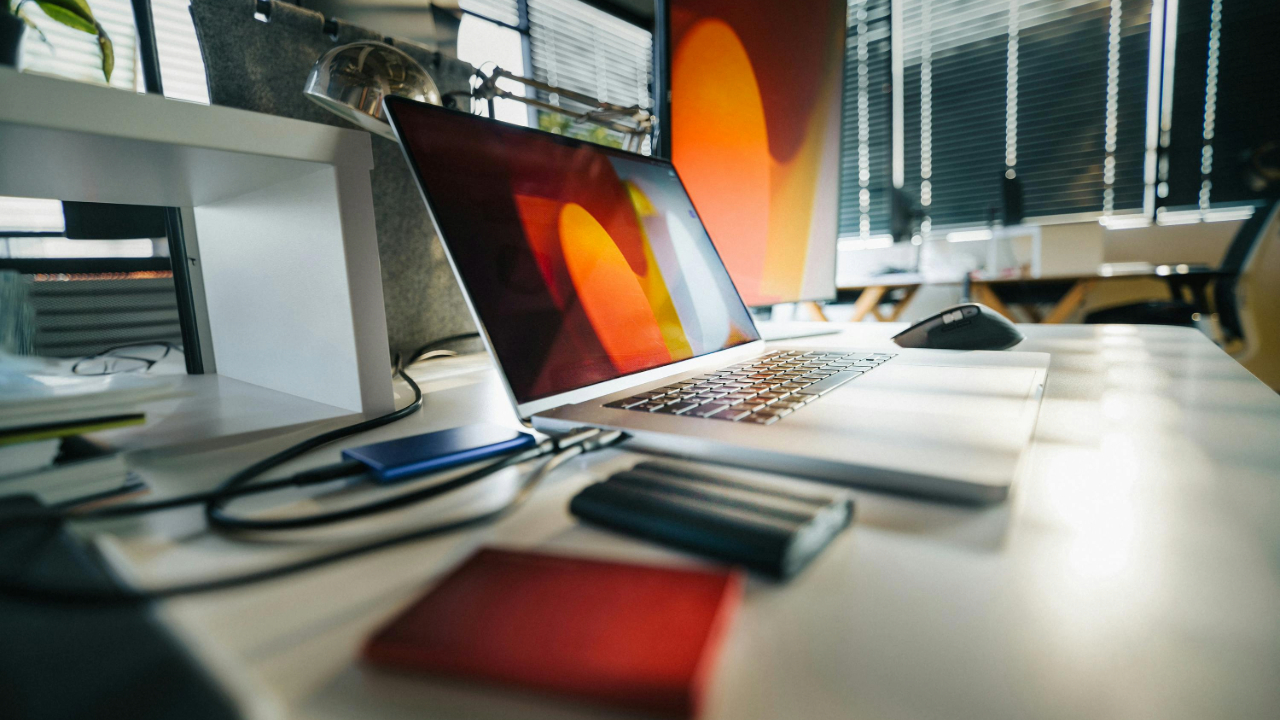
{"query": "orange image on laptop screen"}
{"type": "Point", "coordinates": [584, 263]}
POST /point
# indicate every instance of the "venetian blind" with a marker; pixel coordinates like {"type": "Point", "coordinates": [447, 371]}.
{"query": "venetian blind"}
{"type": "Point", "coordinates": [1049, 92]}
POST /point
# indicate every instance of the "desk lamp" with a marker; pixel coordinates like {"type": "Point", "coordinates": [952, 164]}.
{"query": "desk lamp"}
{"type": "Point", "coordinates": [351, 80]}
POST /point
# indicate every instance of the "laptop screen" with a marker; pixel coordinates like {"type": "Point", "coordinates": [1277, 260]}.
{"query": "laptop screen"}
{"type": "Point", "coordinates": [583, 263]}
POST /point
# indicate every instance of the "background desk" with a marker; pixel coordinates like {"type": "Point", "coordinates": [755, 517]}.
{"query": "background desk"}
{"type": "Point", "coordinates": [1065, 294]}
{"type": "Point", "coordinates": [1135, 572]}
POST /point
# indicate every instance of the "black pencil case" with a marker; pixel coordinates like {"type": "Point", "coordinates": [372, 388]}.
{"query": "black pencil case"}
{"type": "Point", "coordinates": [718, 513]}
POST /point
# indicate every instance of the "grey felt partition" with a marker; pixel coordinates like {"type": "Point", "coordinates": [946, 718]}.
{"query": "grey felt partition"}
{"type": "Point", "coordinates": [262, 65]}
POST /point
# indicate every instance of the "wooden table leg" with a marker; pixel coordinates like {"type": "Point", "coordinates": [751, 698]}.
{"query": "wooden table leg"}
{"type": "Point", "coordinates": [983, 293]}
{"type": "Point", "coordinates": [901, 304]}
{"type": "Point", "coordinates": [1069, 302]}
{"type": "Point", "coordinates": [867, 302]}
{"type": "Point", "coordinates": [815, 309]}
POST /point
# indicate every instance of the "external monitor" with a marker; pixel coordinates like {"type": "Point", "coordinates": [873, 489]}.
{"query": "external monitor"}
{"type": "Point", "coordinates": [753, 126]}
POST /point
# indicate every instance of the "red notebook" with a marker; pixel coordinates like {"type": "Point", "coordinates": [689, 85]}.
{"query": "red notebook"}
{"type": "Point", "coordinates": [633, 636]}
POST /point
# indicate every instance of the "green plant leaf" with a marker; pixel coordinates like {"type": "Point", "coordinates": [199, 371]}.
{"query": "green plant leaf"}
{"type": "Point", "coordinates": [108, 52]}
{"type": "Point", "coordinates": [74, 14]}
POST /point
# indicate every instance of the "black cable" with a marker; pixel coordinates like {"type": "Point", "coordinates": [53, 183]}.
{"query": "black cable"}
{"type": "Point", "coordinates": [583, 442]}
{"type": "Point", "coordinates": [58, 513]}
{"type": "Point", "coordinates": [239, 480]}
{"type": "Point", "coordinates": [218, 518]}
{"type": "Point", "coordinates": [236, 485]}
{"type": "Point", "coordinates": [239, 485]}
{"type": "Point", "coordinates": [306, 446]}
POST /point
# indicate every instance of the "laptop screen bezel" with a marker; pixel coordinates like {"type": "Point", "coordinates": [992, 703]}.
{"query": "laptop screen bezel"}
{"type": "Point", "coordinates": [530, 408]}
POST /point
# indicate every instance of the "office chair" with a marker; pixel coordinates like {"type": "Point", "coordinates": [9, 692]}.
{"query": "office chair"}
{"type": "Point", "coordinates": [1254, 316]}
{"type": "Point", "coordinates": [1177, 312]}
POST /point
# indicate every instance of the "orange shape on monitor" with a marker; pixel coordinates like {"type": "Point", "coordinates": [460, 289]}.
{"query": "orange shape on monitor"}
{"type": "Point", "coordinates": [720, 145]}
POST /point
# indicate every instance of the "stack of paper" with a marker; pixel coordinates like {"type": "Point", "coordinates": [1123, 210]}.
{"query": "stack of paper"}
{"type": "Point", "coordinates": [44, 416]}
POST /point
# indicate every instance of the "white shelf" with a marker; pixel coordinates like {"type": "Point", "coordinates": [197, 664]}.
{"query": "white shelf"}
{"type": "Point", "coordinates": [284, 239]}
{"type": "Point", "coordinates": [145, 149]}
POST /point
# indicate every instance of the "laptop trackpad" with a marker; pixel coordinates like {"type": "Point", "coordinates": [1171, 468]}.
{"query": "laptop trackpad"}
{"type": "Point", "coordinates": [989, 392]}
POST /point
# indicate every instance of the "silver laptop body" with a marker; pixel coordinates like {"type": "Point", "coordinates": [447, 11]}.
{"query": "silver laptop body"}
{"type": "Point", "coordinates": [940, 424]}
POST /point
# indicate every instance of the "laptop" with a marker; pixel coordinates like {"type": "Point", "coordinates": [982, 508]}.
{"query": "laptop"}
{"type": "Point", "coordinates": [604, 303]}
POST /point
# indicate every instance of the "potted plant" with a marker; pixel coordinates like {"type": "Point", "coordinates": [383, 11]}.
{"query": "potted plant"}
{"type": "Point", "coordinates": [74, 14]}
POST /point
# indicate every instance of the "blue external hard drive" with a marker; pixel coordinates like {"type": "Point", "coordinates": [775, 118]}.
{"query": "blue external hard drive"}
{"type": "Point", "coordinates": [407, 457]}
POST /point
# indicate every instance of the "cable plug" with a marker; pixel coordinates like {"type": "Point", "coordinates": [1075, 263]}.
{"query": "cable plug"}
{"type": "Point", "coordinates": [589, 439]}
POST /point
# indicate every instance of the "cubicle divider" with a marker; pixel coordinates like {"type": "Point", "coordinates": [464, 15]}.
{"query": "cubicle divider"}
{"type": "Point", "coordinates": [257, 56]}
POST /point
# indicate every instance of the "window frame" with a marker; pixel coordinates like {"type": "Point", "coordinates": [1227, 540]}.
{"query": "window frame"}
{"type": "Point", "coordinates": [522, 26]}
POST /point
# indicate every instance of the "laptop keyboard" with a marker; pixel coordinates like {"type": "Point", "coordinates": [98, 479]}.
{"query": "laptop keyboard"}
{"type": "Point", "coordinates": [762, 391]}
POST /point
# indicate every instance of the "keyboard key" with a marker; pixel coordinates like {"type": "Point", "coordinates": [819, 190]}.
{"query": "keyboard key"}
{"type": "Point", "coordinates": [626, 403]}
{"type": "Point", "coordinates": [649, 407]}
{"type": "Point", "coordinates": [772, 410]}
{"type": "Point", "coordinates": [709, 409]}
{"type": "Point", "coordinates": [773, 395]}
{"type": "Point", "coordinates": [732, 414]}
{"type": "Point", "coordinates": [758, 419]}
{"type": "Point", "coordinates": [786, 405]}
{"type": "Point", "coordinates": [822, 387]}
{"type": "Point", "coordinates": [678, 408]}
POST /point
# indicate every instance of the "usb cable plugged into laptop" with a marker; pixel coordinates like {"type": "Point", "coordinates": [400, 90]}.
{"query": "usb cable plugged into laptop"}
{"type": "Point", "coordinates": [570, 444]}
{"type": "Point", "coordinates": [559, 449]}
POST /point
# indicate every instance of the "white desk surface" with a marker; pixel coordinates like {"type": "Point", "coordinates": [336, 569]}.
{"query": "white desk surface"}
{"type": "Point", "coordinates": [1135, 572]}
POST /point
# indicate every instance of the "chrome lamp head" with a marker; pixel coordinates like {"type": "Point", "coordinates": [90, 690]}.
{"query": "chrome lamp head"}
{"type": "Point", "coordinates": [351, 80]}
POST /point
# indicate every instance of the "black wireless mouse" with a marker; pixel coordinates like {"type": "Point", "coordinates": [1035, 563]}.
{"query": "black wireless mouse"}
{"type": "Point", "coordinates": [970, 326]}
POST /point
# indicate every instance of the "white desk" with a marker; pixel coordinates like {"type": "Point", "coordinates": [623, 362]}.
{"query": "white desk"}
{"type": "Point", "coordinates": [1135, 573]}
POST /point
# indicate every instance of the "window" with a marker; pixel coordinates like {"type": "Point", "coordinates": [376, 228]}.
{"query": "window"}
{"type": "Point", "coordinates": [1048, 94]}
{"type": "Point", "coordinates": [580, 48]}
{"type": "Point", "coordinates": [74, 54]}
{"type": "Point", "coordinates": [1224, 132]}
{"type": "Point", "coordinates": [565, 43]}
{"type": "Point", "coordinates": [482, 42]}
{"type": "Point", "coordinates": [30, 228]}
{"type": "Point", "coordinates": [27, 215]}
{"type": "Point", "coordinates": [181, 65]}
{"type": "Point", "coordinates": [866, 157]}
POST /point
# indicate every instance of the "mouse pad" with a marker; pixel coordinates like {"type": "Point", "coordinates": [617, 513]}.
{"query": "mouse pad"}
{"type": "Point", "coordinates": [633, 636]}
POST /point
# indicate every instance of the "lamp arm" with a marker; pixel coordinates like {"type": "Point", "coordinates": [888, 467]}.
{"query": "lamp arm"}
{"type": "Point", "coordinates": [571, 94]}
{"type": "Point", "coordinates": [600, 113]}
{"type": "Point", "coordinates": [589, 116]}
